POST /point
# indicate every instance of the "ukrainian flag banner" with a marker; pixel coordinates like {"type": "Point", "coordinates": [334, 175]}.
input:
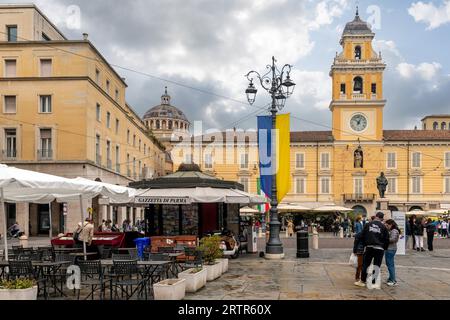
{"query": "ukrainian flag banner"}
{"type": "Point", "coordinates": [274, 143]}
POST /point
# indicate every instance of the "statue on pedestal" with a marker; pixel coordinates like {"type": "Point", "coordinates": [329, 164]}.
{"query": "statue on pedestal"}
{"type": "Point", "coordinates": [382, 184]}
{"type": "Point", "coordinates": [359, 158]}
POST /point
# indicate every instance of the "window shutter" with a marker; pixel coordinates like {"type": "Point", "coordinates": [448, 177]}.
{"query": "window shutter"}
{"type": "Point", "coordinates": [46, 68]}
{"type": "Point", "coordinates": [10, 68]}
{"type": "Point", "coordinates": [10, 104]}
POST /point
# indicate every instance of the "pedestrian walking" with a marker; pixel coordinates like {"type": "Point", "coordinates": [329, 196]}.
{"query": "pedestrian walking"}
{"type": "Point", "coordinates": [375, 237]}
{"type": "Point", "coordinates": [444, 230]}
{"type": "Point", "coordinates": [358, 225]}
{"type": "Point", "coordinates": [394, 236]}
{"type": "Point", "coordinates": [290, 228]}
{"type": "Point", "coordinates": [346, 226]}
{"type": "Point", "coordinates": [408, 233]}
{"type": "Point", "coordinates": [358, 250]}
{"type": "Point", "coordinates": [418, 234]}
{"type": "Point", "coordinates": [431, 229]}
{"type": "Point", "coordinates": [412, 224]}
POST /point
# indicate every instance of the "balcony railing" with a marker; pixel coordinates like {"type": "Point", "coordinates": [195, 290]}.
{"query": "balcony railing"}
{"type": "Point", "coordinates": [45, 154]}
{"type": "Point", "coordinates": [368, 197]}
{"type": "Point", "coordinates": [9, 154]}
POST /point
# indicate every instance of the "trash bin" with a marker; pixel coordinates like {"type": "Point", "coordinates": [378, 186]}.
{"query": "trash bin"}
{"type": "Point", "coordinates": [302, 244]}
{"type": "Point", "coordinates": [141, 244]}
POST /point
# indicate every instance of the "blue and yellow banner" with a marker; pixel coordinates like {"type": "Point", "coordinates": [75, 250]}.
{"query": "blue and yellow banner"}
{"type": "Point", "coordinates": [274, 154]}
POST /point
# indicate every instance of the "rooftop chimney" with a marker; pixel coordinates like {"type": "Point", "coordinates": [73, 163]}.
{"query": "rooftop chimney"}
{"type": "Point", "coordinates": [85, 36]}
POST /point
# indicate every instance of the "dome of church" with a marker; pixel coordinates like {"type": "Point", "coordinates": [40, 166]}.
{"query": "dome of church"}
{"type": "Point", "coordinates": [357, 26]}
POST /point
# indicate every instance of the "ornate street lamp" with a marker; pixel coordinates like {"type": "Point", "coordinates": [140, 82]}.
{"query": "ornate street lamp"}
{"type": "Point", "coordinates": [280, 87]}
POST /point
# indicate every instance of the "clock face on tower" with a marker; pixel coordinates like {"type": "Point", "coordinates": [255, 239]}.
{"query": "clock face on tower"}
{"type": "Point", "coordinates": [358, 123]}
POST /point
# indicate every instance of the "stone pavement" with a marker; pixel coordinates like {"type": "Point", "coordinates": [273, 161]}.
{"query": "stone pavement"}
{"type": "Point", "coordinates": [327, 276]}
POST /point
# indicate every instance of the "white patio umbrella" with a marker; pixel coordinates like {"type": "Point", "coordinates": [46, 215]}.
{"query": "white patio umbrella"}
{"type": "Point", "coordinates": [248, 210]}
{"type": "Point", "coordinates": [293, 207]}
{"type": "Point", "coordinates": [116, 194]}
{"type": "Point", "coordinates": [332, 208]}
{"type": "Point", "coordinates": [18, 185]}
{"type": "Point", "coordinates": [437, 212]}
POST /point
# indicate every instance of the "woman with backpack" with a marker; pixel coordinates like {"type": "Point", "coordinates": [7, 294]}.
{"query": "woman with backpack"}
{"type": "Point", "coordinates": [394, 236]}
{"type": "Point", "coordinates": [418, 234]}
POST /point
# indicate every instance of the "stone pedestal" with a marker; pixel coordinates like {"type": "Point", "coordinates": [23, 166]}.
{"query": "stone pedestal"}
{"type": "Point", "coordinates": [383, 206]}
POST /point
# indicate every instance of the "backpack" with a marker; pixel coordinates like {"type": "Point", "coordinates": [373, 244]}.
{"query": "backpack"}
{"type": "Point", "coordinates": [76, 235]}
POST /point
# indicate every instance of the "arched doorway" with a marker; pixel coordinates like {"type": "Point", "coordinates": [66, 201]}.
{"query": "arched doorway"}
{"type": "Point", "coordinates": [360, 211]}
{"type": "Point", "coordinates": [415, 208]}
{"type": "Point", "coordinates": [393, 208]}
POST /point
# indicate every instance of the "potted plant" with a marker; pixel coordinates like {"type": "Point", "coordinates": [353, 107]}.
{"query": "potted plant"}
{"type": "Point", "coordinates": [224, 263]}
{"type": "Point", "coordinates": [19, 289]}
{"type": "Point", "coordinates": [195, 278]}
{"type": "Point", "coordinates": [170, 289]}
{"type": "Point", "coordinates": [210, 246]}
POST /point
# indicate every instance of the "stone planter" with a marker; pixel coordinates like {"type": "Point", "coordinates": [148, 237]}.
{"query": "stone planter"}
{"type": "Point", "coordinates": [224, 263]}
{"type": "Point", "coordinates": [19, 294]}
{"type": "Point", "coordinates": [213, 271]}
{"type": "Point", "coordinates": [194, 281]}
{"type": "Point", "coordinates": [170, 289]}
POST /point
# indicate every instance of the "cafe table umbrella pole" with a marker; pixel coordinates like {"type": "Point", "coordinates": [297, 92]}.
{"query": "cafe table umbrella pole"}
{"type": "Point", "coordinates": [82, 222]}
{"type": "Point", "coordinates": [5, 228]}
{"type": "Point", "coordinates": [50, 221]}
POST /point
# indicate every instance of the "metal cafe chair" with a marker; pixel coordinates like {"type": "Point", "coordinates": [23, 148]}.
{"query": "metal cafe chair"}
{"type": "Point", "coordinates": [24, 270]}
{"type": "Point", "coordinates": [117, 256]}
{"type": "Point", "coordinates": [92, 276]}
{"type": "Point", "coordinates": [193, 258]}
{"type": "Point", "coordinates": [125, 275]}
{"type": "Point", "coordinates": [61, 275]}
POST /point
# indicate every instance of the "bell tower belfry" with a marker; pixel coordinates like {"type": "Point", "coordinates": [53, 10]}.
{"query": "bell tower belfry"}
{"type": "Point", "coordinates": [357, 74]}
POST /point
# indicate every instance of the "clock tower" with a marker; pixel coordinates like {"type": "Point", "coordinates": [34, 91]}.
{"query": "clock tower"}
{"type": "Point", "coordinates": [357, 74]}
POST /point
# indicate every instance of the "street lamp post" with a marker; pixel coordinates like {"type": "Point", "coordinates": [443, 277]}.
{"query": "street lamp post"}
{"type": "Point", "coordinates": [280, 87]}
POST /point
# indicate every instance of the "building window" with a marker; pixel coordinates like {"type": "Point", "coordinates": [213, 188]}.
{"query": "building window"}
{"type": "Point", "coordinates": [140, 143]}
{"type": "Point", "coordinates": [343, 89]}
{"type": "Point", "coordinates": [107, 86]}
{"type": "Point", "coordinates": [435, 126]}
{"type": "Point", "coordinates": [108, 120]}
{"type": "Point", "coordinates": [98, 159]}
{"type": "Point", "coordinates": [10, 68]}
{"type": "Point", "coordinates": [325, 161]}
{"type": "Point", "coordinates": [10, 104]}
{"type": "Point", "coordinates": [117, 159]}
{"type": "Point", "coordinates": [391, 160]}
{"type": "Point", "coordinates": [117, 95]}
{"type": "Point", "coordinates": [392, 185]}
{"type": "Point", "coordinates": [45, 104]}
{"type": "Point", "coordinates": [358, 53]}
{"type": "Point", "coordinates": [97, 76]}
{"type": "Point", "coordinates": [145, 149]}
{"type": "Point", "coordinates": [46, 151]}
{"type": "Point", "coordinates": [447, 184]}
{"type": "Point", "coordinates": [444, 126]}
{"type": "Point", "coordinates": [128, 136]}
{"type": "Point", "coordinates": [416, 160]}
{"type": "Point", "coordinates": [158, 124]}
{"type": "Point", "coordinates": [170, 125]}
{"type": "Point", "coordinates": [358, 184]}
{"type": "Point", "coordinates": [374, 88]}
{"type": "Point", "coordinates": [208, 161]}
{"type": "Point", "coordinates": [117, 126]}
{"type": "Point", "coordinates": [140, 169]}
{"type": "Point", "coordinates": [98, 113]}
{"type": "Point", "coordinates": [134, 168]}
{"type": "Point", "coordinates": [447, 160]}
{"type": "Point", "coordinates": [108, 155]}
{"type": "Point", "coordinates": [244, 181]}
{"type": "Point", "coordinates": [416, 183]}
{"type": "Point", "coordinates": [11, 143]}
{"type": "Point", "coordinates": [12, 33]}
{"type": "Point", "coordinates": [134, 140]}
{"type": "Point", "coordinates": [45, 37]}
{"type": "Point", "coordinates": [300, 161]}
{"type": "Point", "coordinates": [46, 67]}
{"type": "Point", "coordinates": [300, 185]}
{"type": "Point", "coordinates": [358, 85]}
{"type": "Point", "coordinates": [325, 185]}
{"type": "Point", "coordinates": [244, 161]}
{"type": "Point", "coordinates": [128, 165]}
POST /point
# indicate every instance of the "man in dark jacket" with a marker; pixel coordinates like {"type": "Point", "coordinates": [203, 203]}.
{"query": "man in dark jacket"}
{"type": "Point", "coordinates": [375, 238]}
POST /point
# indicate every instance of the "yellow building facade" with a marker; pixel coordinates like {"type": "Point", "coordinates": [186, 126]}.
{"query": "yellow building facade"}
{"type": "Point", "coordinates": [324, 164]}
{"type": "Point", "coordinates": [63, 112]}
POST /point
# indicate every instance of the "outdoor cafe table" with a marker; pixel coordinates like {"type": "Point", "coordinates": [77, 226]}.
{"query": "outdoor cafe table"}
{"type": "Point", "coordinates": [149, 268]}
{"type": "Point", "coordinates": [173, 259]}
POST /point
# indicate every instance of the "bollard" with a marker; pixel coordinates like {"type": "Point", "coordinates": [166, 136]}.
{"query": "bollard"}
{"type": "Point", "coordinates": [302, 244]}
{"type": "Point", "coordinates": [315, 239]}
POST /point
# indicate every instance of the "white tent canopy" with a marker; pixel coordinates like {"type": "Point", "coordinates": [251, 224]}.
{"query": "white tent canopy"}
{"type": "Point", "coordinates": [293, 207]}
{"type": "Point", "coordinates": [248, 210]}
{"type": "Point", "coordinates": [18, 185]}
{"type": "Point", "coordinates": [116, 194]}
{"type": "Point", "coordinates": [196, 195]}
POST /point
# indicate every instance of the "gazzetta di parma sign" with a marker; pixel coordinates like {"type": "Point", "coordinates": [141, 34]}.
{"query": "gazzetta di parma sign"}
{"type": "Point", "coordinates": [162, 200]}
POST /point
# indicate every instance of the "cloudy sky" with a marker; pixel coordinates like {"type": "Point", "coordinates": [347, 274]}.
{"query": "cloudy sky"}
{"type": "Point", "coordinates": [203, 49]}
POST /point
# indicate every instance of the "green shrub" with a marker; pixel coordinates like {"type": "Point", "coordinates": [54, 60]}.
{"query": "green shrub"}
{"type": "Point", "coordinates": [196, 270]}
{"type": "Point", "coordinates": [17, 284]}
{"type": "Point", "coordinates": [210, 246]}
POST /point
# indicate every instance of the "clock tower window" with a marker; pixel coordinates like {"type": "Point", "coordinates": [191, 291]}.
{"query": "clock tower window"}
{"type": "Point", "coordinates": [374, 88]}
{"type": "Point", "coordinates": [357, 53]}
{"type": "Point", "coordinates": [343, 91]}
{"type": "Point", "coordinates": [358, 85]}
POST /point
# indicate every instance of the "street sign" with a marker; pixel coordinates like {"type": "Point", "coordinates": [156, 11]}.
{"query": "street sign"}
{"type": "Point", "coordinates": [162, 200]}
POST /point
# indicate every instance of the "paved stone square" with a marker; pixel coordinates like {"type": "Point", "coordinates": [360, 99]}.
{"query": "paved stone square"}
{"type": "Point", "coordinates": [327, 276]}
